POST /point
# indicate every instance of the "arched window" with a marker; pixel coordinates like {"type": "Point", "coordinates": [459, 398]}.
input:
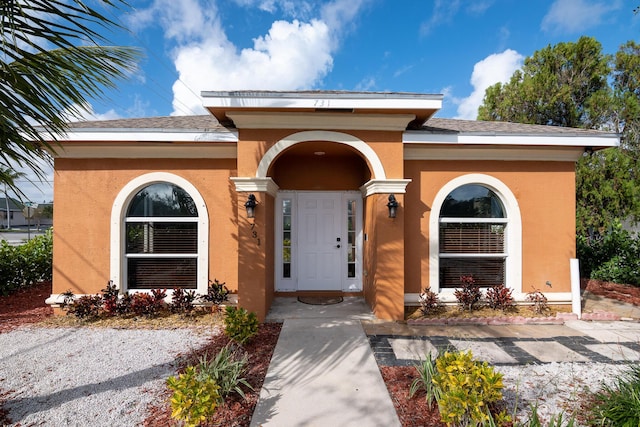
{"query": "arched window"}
{"type": "Point", "coordinates": [159, 235]}
{"type": "Point", "coordinates": [472, 237]}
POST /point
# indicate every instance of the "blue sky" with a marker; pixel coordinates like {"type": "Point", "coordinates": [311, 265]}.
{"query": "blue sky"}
{"type": "Point", "coordinates": [452, 47]}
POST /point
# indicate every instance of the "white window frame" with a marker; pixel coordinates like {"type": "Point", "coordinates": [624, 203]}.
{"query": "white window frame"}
{"type": "Point", "coordinates": [118, 257]}
{"type": "Point", "coordinates": [513, 231]}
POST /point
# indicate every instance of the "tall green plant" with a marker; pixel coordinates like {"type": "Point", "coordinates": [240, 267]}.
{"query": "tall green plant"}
{"type": "Point", "coordinates": [619, 405]}
{"type": "Point", "coordinates": [612, 256]}
{"type": "Point", "coordinates": [27, 264]}
{"type": "Point", "coordinates": [227, 368]}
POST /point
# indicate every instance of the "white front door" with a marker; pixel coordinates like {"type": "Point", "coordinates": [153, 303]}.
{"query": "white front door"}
{"type": "Point", "coordinates": [319, 241]}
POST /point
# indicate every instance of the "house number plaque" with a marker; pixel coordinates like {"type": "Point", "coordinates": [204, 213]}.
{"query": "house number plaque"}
{"type": "Point", "coordinates": [254, 233]}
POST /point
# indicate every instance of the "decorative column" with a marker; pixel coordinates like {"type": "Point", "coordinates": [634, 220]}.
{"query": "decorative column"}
{"type": "Point", "coordinates": [384, 289]}
{"type": "Point", "coordinates": [255, 245]}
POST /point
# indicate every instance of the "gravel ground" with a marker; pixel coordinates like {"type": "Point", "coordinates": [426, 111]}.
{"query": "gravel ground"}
{"type": "Point", "coordinates": [51, 381]}
{"type": "Point", "coordinates": [555, 388]}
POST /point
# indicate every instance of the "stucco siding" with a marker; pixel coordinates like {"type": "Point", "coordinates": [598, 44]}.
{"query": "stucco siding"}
{"type": "Point", "coordinates": [545, 192]}
{"type": "Point", "coordinates": [85, 190]}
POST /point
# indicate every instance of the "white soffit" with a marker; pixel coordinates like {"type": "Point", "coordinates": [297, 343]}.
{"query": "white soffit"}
{"type": "Point", "coordinates": [496, 152]}
{"type": "Point", "coordinates": [334, 121]}
{"type": "Point", "coordinates": [557, 140]}
{"type": "Point", "coordinates": [147, 150]}
{"type": "Point", "coordinates": [145, 135]}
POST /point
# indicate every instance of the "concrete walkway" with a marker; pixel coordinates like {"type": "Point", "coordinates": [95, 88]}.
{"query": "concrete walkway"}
{"type": "Point", "coordinates": [323, 372]}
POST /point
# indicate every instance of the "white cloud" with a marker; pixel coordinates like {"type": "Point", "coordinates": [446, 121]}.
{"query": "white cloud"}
{"type": "Point", "coordinates": [443, 12]}
{"type": "Point", "coordinates": [498, 67]}
{"type": "Point", "coordinates": [366, 84]}
{"type": "Point", "coordinates": [573, 16]}
{"type": "Point", "coordinates": [293, 55]}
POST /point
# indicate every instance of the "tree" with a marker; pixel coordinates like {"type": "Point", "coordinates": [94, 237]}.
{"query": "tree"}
{"type": "Point", "coordinates": [576, 85]}
{"type": "Point", "coordinates": [8, 178]}
{"type": "Point", "coordinates": [52, 62]}
{"type": "Point", "coordinates": [561, 85]}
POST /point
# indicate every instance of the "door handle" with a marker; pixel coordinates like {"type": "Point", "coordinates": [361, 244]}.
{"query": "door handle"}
{"type": "Point", "coordinates": [337, 246]}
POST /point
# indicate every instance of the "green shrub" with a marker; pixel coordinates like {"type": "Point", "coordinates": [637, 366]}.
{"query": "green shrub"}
{"type": "Point", "coordinates": [613, 256]}
{"type": "Point", "coordinates": [619, 405]}
{"type": "Point", "coordinates": [194, 399]}
{"type": "Point", "coordinates": [182, 301]}
{"type": "Point", "coordinates": [426, 372]}
{"type": "Point", "coordinates": [240, 325]}
{"type": "Point", "coordinates": [27, 264]}
{"type": "Point", "coordinates": [557, 420]}
{"type": "Point", "coordinates": [467, 389]}
{"type": "Point", "coordinates": [226, 368]}
{"type": "Point", "coordinates": [217, 292]}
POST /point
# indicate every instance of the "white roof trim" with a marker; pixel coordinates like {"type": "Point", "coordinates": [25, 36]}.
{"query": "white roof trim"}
{"type": "Point", "coordinates": [148, 135]}
{"type": "Point", "coordinates": [569, 140]}
{"type": "Point", "coordinates": [319, 100]}
{"type": "Point", "coordinates": [514, 153]}
{"type": "Point", "coordinates": [146, 151]}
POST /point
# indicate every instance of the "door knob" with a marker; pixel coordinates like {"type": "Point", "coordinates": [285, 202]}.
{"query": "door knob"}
{"type": "Point", "coordinates": [337, 246]}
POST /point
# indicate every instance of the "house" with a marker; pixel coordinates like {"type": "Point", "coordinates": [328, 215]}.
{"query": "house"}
{"type": "Point", "coordinates": [321, 192]}
{"type": "Point", "coordinates": [11, 214]}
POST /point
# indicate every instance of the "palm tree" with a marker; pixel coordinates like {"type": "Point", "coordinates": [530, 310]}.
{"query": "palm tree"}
{"type": "Point", "coordinates": [52, 61]}
{"type": "Point", "coordinates": [8, 178]}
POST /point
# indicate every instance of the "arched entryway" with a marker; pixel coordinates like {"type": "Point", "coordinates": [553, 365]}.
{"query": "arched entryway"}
{"type": "Point", "coordinates": [318, 216]}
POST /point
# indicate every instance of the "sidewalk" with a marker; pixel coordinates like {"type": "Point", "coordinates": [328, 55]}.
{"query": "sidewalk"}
{"type": "Point", "coordinates": [323, 372]}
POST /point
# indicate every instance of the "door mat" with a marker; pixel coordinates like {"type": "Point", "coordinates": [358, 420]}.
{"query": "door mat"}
{"type": "Point", "coordinates": [320, 300]}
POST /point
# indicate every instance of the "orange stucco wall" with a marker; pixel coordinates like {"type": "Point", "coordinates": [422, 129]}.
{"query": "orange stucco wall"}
{"type": "Point", "coordinates": [545, 192]}
{"type": "Point", "coordinates": [84, 193]}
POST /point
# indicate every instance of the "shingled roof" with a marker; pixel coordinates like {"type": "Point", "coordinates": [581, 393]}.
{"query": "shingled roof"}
{"type": "Point", "coordinates": [204, 123]}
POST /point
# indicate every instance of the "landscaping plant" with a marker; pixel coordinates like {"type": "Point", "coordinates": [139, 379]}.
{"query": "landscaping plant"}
{"type": "Point", "coordinates": [611, 256]}
{"type": "Point", "coordinates": [429, 302]}
{"type": "Point", "coordinates": [467, 389]}
{"type": "Point", "coordinates": [182, 301]}
{"type": "Point", "coordinates": [538, 301]}
{"type": "Point", "coordinates": [86, 307]}
{"type": "Point", "coordinates": [469, 295]}
{"type": "Point", "coordinates": [426, 372]}
{"type": "Point", "coordinates": [240, 325]}
{"type": "Point", "coordinates": [619, 405]}
{"type": "Point", "coordinates": [194, 399]}
{"type": "Point", "coordinates": [227, 368]}
{"type": "Point", "coordinates": [499, 298]}
{"type": "Point", "coordinates": [148, 305]}
{"type": "Point", "coordinates": [27, 264]}
{"type": "Point", "coordinates": [217, 293]}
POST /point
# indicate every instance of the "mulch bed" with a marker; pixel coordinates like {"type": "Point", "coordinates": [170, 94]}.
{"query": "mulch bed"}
{"type": "Point", "coordinates": [236, 411]}
{"type": "Point", "coordinates": [624, 293]}
{"type": "Point", "coordinates": [25, 306]}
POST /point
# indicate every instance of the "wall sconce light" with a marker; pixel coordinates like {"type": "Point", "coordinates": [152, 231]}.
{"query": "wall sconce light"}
{"type": "Point", "coordinates": [250, 206]}
{"type": "Point", "coordinates": [393, 206]}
